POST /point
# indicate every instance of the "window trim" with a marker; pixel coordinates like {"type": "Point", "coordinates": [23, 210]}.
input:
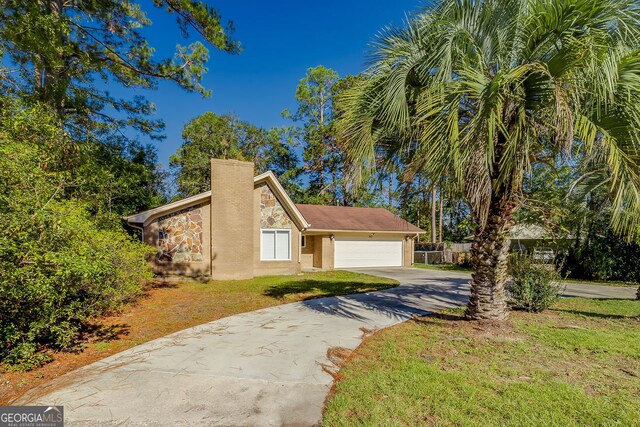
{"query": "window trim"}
{"type": "Point", "coordinates": [303, 241]}
{"type": "Point", "coordinates": [275, 230]}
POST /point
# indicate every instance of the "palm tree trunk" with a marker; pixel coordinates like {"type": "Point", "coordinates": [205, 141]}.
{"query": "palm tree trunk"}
{"type": "Point", "coordinates": [489, 252]}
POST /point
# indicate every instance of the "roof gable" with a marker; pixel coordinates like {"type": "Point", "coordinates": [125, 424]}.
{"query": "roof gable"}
{"type": "Point", "coordinates": [268, 177]}
{"type": "Point", "coordinates": [281, 195]}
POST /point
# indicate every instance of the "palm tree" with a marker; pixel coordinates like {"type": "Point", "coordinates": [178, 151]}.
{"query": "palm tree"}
{"type": "Point", "coordinates": [486, 89]}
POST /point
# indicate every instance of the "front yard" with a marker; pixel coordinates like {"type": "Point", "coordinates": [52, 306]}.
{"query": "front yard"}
{"type": "Point", "coordinates": [170, 307]}
{"type": "Point", "coordinates": [575, 364]}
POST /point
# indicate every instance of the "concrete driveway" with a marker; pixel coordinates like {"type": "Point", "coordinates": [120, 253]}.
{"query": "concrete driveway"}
{"type": "Point", "coordinates": [263, 368]}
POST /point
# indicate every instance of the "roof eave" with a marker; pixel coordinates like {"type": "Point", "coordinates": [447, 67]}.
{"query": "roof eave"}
{"type": "Point", "coordinates": [324, 230]}
{"type": "Point", "coordinates": [145, 216]}
{"type": "Point", "coordinates": [282, 195]}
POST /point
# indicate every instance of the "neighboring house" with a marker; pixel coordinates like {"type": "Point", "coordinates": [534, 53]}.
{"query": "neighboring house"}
{"type": "Point", "coordinates": [248, 226]}
{"type": "Point", "coordinates": [536, 240]}
{"type": "Point", "coordinates": [527, 237]}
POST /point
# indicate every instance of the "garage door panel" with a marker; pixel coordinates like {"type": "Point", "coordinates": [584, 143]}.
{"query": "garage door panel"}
{"type": "Point", "coordinates": [352, 252]}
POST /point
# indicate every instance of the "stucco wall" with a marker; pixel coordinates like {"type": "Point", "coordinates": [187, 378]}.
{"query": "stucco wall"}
{"type": "Point", "coordinates": [408, 249]}
{"type": "Point", "coordinates": [186, 234]}
{"type": "Point", "coordinates": [327, 252]}
{"type": "Point", "coordinates": [269, 214]}
{"type": "Point", "coordinates": [317, 251]}
{"type": "Point", "coordinates": [306, 255]}
{"type": "Point", "coordinates": [232, 219]}
{"type": "Point", "coordinates": [321, 250]}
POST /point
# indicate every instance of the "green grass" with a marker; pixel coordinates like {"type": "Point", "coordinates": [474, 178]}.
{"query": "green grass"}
{"type": "Point", "coordinates": [601, 283]}
{"type": "Point", "coordinates": [444, 267]}
{"type": "Point", "coordinates": [324, 284]}
{"type": "Point", "coordinates": [576, 364]}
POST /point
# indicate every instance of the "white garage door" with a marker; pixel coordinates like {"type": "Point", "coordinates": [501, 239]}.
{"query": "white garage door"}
{"type": "Point", "coordinates": [367, 252]}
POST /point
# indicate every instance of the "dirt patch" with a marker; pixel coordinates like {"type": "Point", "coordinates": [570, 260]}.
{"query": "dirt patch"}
{"type": "Point", "coordinates": [337, 356]}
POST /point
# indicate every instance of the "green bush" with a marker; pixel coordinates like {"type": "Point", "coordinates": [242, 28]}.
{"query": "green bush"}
{"type": "Point", "coordinates": [600, 254]}
{"type": "Point", "coordinates": [59, 268]}
{"type": "Point", "coordinates": [534, 287]}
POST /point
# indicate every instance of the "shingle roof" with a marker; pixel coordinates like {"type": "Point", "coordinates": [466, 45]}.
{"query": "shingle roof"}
{"type": "Point", "coordinates": [342, 218]}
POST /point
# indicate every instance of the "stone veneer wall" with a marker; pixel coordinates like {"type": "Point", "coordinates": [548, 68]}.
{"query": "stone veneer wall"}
{"type": "Point", "coordinates": [272, 214]}
{"type": "Point", "coordinates": [180, 235]}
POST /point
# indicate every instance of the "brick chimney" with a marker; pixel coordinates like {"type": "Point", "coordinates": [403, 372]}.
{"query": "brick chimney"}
{"type": "Point", "coordinates": [231, 219]}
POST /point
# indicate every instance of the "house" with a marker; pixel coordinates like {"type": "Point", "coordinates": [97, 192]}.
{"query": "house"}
{"type": "Point", "coordinates": [541, 243]}
{"type": "Point", "coordinates": [248, 226]}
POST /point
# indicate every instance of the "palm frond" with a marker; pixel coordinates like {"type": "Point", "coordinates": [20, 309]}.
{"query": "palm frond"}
{"type": "Point", "coordinates": [486, 89]}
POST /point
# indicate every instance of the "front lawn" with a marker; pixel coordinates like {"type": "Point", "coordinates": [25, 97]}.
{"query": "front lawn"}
{"type": "Point", "coordinates": [576, 364]}
{"type": "Point", "coordinates": [171, 307]}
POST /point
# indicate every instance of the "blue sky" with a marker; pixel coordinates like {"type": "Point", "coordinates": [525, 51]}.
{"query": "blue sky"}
{"type": "Point", "coordinates": [280, 41]}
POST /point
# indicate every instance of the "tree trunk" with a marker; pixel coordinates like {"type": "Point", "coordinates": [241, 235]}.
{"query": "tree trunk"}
{"type": "Point", "coordinates": [390, 201]}
{"type": "Point", "coordinates": [489, 252]}
{"type": "Point", "coordinates": [433, 214]}
{"type": "Point", "coordinates": [37, 77]}
{"type": "Point", "coordinates": [440, 219]}
{"type": "Point", "coordinates": [345, 194]}
{"type": "Point", "coordinates": [334, 187]}
{"type": "Point", "coordinates": [55, 80]}
{"type": "Point", "coordinates": [638, 294]}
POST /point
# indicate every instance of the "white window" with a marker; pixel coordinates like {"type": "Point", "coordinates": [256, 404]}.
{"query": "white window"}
{"type": "Point", "coordinates": [276, 245]}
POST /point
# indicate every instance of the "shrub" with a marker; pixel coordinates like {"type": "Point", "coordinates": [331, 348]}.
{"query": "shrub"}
{"type": "Point", "coordinates": [59, 268]}
{"type": "Point", "coordinates": [535, 287]}
{"type": "Point", "coordinates": [601, 254]}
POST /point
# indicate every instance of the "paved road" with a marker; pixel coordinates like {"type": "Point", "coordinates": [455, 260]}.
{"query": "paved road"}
{"type": "Point", "coordinates": [583, 290]}
{"type": "Point", "coordinates": [267, 367]}
{"type": "Point", "coordinates": [596, 291]}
